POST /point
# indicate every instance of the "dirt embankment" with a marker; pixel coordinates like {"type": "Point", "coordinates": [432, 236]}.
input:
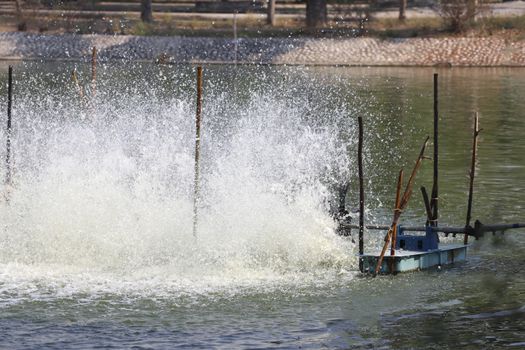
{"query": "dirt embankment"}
{"type": "Point", "coordinates": [451, 51]}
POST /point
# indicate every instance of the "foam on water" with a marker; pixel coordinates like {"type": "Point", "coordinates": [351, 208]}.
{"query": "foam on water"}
{"type": "Point", "coordinates": [102, 197]}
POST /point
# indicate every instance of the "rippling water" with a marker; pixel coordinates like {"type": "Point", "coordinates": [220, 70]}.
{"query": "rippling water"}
{"type": "Point", "coordinates": [97, 250]}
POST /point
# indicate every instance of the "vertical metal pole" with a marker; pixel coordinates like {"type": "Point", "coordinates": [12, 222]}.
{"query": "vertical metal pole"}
{"type": "Point", "coordinates": [361, 192]}
{"type": "Point", "coordinates": [434, 200]}
{"type": "Point", "coordinates": [197, 151]}
{"type": "Point", "coordinates": [472, 172]}
{"type": "Point", "coordinates": [9, 114]}
{"type": "Point", "coordinates": [235, 37]}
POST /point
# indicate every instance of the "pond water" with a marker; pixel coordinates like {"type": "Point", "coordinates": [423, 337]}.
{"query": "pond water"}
{"type": "Point", "coordinates": [97, 250]}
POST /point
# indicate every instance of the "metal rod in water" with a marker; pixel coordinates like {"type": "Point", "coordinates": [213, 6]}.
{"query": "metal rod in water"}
{"type": "Point", "coordinates": [434, 199]}
{"type": "Point", "coordinates": [444, 229]}
{"type": "Point", "coordinates": [428, 208]}
{"type": "Point", "coordinates": [196, 183]}
{"type": "Point", "coordinates": [361, 189]}
{"type": "Point", "coordinates": [235, 37]}
{"type": "Point", "coordinates": [9, 115]}
{"type": "Point", "coordinates": [93, 71]}
{"type": "Point", "coordinates": [472, 172]}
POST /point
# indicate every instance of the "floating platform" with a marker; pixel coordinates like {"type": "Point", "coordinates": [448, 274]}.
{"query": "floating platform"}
{"type": "Point", "coordinates": [412, 260]}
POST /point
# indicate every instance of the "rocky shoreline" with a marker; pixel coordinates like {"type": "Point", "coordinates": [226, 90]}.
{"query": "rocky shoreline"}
{"type": "Point", "coordinates": [453, 51]}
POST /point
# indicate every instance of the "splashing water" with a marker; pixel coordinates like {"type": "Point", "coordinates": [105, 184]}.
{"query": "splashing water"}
{"type": "Point", "coordinates": [103, 191]}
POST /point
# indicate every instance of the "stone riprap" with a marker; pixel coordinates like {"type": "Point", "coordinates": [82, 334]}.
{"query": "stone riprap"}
{"type": "Point", "coordinates": [452, 51]}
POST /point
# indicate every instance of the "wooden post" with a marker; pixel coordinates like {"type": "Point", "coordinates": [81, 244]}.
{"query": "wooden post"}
{"type": "Point", "coordinates": [77, 83]}
{"type": "Point", "coordinates": [361, 192]}
{"type": "Point", "coordinates": [472, 172]}
{"type": "Point", "coordinates": [196, 183]}
{"type": "Point", "coordinates": [8, 173]}
{"type": "Point", "coordinates": [434, 199]}
{"type": "Point", "coordinates": [396, 209]}
{"type": "Point", "coordinates": [402, 205]}
{"type": "Point", "coordinates": [271, 13]}
{"type": "Point", "coordinates": [93, 71]}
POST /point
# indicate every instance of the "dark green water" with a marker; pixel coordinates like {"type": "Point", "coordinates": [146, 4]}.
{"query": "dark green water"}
{"type": "Point", "coordinates": [96, 249]}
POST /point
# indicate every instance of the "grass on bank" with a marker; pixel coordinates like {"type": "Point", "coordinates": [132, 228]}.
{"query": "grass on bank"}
{"type": "Point", "coordinates": [509, 27]}
{"type": "Point", "coordinates": [409, 28]}
{"type": "Point", "coordinates": [513, 27]}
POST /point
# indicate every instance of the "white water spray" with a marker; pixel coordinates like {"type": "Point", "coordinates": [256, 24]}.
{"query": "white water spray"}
{"type": "Point", "coordinates": [102, 200]}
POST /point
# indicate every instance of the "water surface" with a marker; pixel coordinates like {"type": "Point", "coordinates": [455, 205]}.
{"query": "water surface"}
{"type": "Point", "coordinates": [97, 249]}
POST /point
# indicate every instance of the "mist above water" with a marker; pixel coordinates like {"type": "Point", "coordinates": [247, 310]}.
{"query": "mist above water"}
{"type": "Point", "coordinates": [103, 188]}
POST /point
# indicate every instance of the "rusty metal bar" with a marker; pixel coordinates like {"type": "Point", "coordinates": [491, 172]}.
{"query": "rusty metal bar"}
{"type": "Point", "coordinates": [196, 183]}
{"type": "Point", "coordinates": [8, 174]}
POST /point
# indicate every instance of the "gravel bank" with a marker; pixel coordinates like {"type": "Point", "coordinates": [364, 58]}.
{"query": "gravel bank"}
{"type": "Point", "coordinates": [307, 51]}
